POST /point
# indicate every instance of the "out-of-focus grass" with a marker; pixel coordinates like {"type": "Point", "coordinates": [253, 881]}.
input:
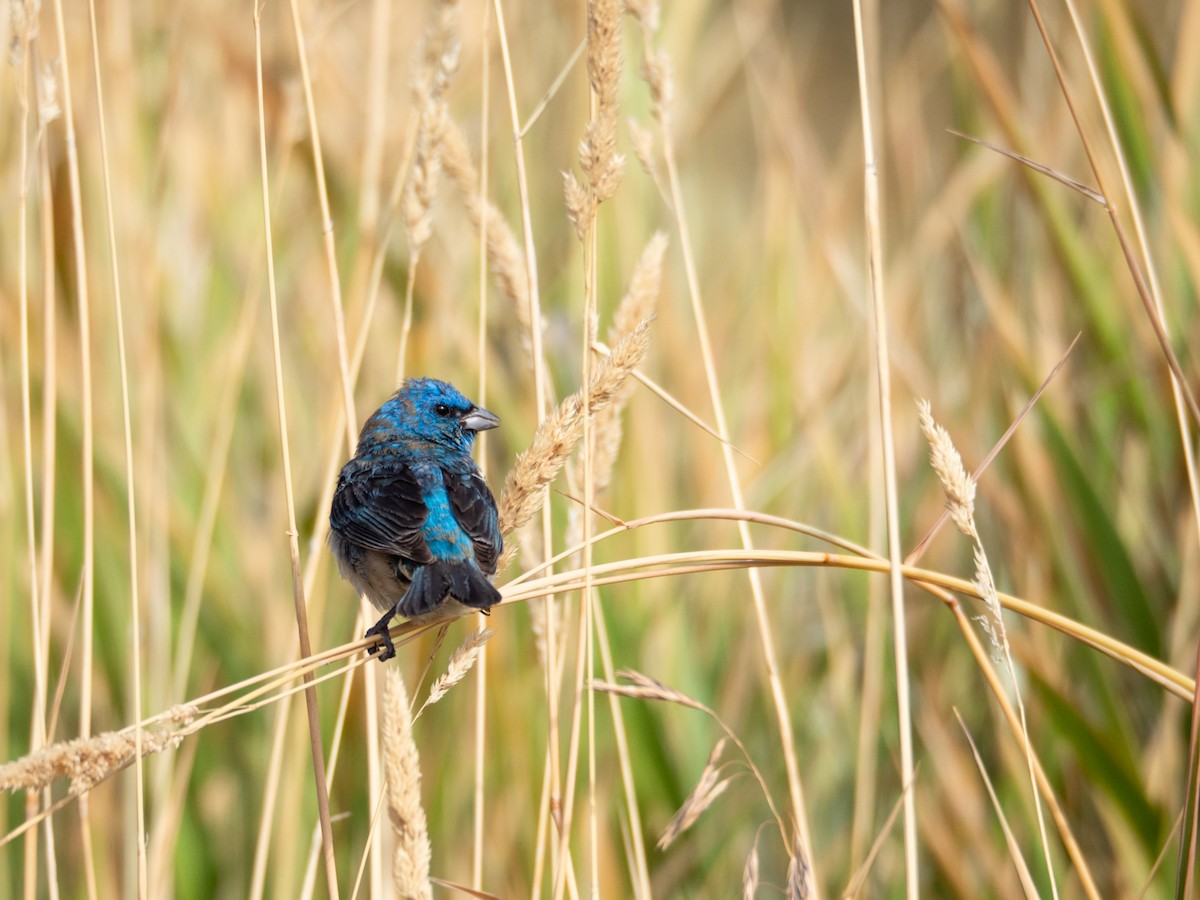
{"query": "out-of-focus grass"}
{"type": "Point", "coordinates": [990, 272]}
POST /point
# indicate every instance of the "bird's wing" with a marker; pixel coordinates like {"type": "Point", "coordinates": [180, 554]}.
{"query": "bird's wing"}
{"type": "Point", "coordinates": [382, 510]}
{"type": "Point", "coordinates": [475, 509]}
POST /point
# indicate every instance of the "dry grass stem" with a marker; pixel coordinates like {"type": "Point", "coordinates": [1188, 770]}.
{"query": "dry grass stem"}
{"type": "Point", "coordinates": [643, 687]}
{"type": "Point", "coordinates": [88, 761]}
{"type": "Point", "coordinates": [462, 660]}
{"type": "Point", "coordinates": [873, 221]}
{"type": "Point", "coordinates": [402, 768]}
{"type": "Point", "coordinates": [656, 70]}
{"type": "Point", "coordinates": [1014, 849]}
{"type": "Point", "coordinates": [300, 606]}
{"type": "Point", "coordinates": [533, 470]}
{"type": "Point", "coordinates": [706, 791]}
{"type": "Point", "coordinates": [960, 493]}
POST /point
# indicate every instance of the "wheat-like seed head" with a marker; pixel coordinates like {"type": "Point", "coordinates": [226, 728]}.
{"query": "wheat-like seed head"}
{"type": "Point", "coordinates": [638, 304]}
{"type": "Point", "coordinates": [646, 12]}
{"type": "Point", "coordinates": [559, 432]}
{"type": "Point", "coordinates": [750, 874]}
{"type": "Point", "coordinates": [643, 145]}
{"type": "Point", "coordinates": [402, 768]}
{"type": "Point", "coordinates": [707, 790]}
{"type": "Point", "coordinates": [462, 660]}
{"type": "Point", "coordinates": [422, 185]}
{"type": "Point", "coordinates": [88, 761]}
{"type": "Point", "coordinates": [437, 62]}
{"type": "Point", "coordinates": [958, 485]}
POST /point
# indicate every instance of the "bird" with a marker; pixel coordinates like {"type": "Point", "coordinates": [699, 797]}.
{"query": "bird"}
{"type": "Point", "coordinates": [413, 524]}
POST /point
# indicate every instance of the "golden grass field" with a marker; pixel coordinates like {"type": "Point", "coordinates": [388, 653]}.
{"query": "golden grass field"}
{"type": "Point", "coordinates": [663, 246]}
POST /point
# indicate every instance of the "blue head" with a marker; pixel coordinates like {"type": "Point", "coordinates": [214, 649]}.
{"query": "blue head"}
{"type": "Point", "coordinates": [426, 410]}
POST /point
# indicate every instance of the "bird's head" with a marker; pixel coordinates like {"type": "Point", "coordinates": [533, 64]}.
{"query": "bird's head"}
{"type": "Point", "coordinates": [426, 409]}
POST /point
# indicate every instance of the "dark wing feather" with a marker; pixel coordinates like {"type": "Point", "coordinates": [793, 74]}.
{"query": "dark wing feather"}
{"type": "Point", "coordinates": [381, 510]}
{"type": "Point", "coordinates": [475, 510]}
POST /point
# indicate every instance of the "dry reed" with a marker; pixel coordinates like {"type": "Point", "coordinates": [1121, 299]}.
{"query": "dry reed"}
{"type": "Point", "coordinates": [402, 768]}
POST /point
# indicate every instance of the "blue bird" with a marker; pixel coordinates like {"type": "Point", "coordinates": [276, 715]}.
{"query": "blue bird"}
{"type": "Point", "coordinates": [413, 525]}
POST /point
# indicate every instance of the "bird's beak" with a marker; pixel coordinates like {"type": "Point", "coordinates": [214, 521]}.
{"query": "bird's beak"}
{"type": "Point", "coordinates": [479, 419]}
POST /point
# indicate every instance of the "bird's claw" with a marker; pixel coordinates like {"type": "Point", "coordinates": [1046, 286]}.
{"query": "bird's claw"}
{"type": "Point", "coordinates": [384, 648]}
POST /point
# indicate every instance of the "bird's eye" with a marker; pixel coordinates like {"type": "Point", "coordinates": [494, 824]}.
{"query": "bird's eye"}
{"type": "Point", "coordinates": [442, 409]}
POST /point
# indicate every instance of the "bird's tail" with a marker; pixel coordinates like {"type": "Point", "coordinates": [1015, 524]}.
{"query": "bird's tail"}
{"type": "Point", "coordinates": [461, 580]}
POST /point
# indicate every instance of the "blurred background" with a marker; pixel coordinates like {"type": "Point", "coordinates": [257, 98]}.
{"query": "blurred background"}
{"type": "Point", "coordinates": [990, 272]}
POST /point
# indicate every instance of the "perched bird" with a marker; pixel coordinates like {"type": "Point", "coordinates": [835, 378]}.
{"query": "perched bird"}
{"type": "Point", "coordinates": [413, 524]}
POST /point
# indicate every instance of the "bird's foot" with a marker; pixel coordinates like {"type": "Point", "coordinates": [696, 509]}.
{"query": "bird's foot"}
{"type": "Point", "coordinates": [385, 648]}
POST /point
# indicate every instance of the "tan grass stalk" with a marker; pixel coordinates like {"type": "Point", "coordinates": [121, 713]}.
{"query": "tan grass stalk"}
{"type": "Point", "coordinates": [402, 766]}
{"type": "Point", "coordinates": [542, 401]}
{"type": "Point", "coordinates": [656, 70]}
{"type": "Point", "coordinates": [1010, 840]}
{"type": "Point", "coordinates": [24, 26]}
{"type": "Point", "coordinates": [88, 571]}
{"type": "Point", "coordinates": [708, 788]}
{"type": "Point", "coordinates": [462, 660]}
{"type": "Point", "coordinates": [1017, 727]}
{"type": "Point", "coordinates": [640, 870]}
{"type": "Point", "coordinates": [130, 484]}
{"type": "Point", "coordinates": [244, 696]}
{"type": "Point", "coordinates": [883, 377]}
{"type": "Point", "coordinates": [554, 88]}
{"type": "Point", "coordinates": [960, 497]}
{"type": "Point", "coordinates": [854, 888]}
{"type": "Point", "coordinates": [603, 168]}
{"type": "Point", "coordinates": [47, 111]}
{"type": "Point", "coordinates": [350, 422]}
{"type": "Point", "coordinates": [525, 486]}
{"type": "Point", "coordinates": [478, 776]}
{"type": "Point", "coordinates": [298, 593]}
